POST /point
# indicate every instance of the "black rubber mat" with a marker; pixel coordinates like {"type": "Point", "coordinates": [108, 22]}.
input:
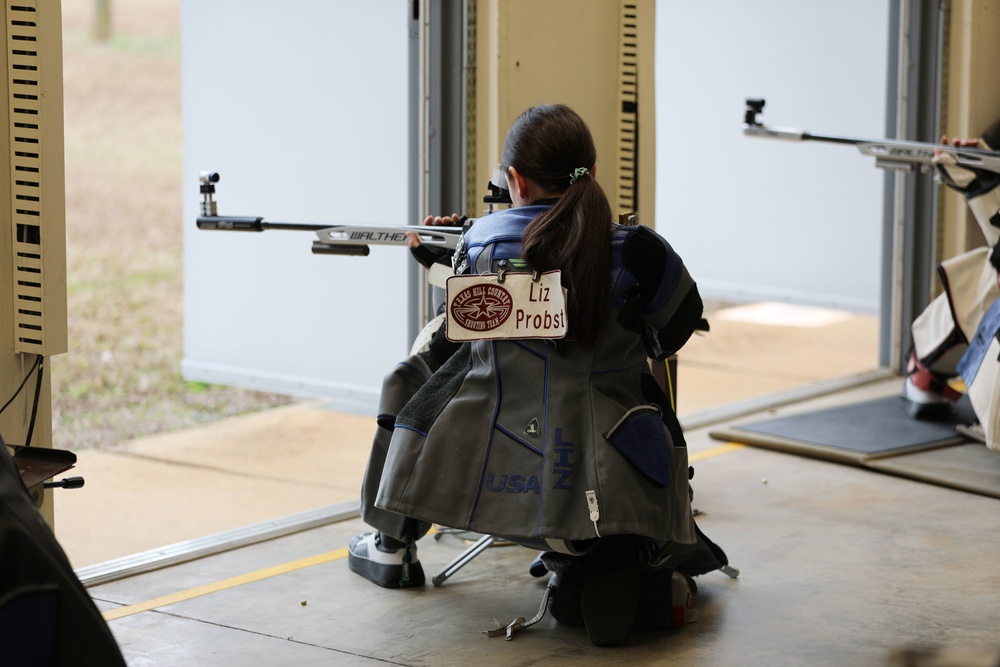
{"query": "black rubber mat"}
{"type": "Point", "coordinates": [879, 435]}
{"type": "Point", "coordinates": [849, 433]}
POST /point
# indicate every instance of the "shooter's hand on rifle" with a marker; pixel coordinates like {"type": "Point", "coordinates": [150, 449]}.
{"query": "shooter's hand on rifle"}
{"type": "Point", "coordinates": [452, 220]}
{"type": "Point", "coordinates": [429, 255]}
{"type": "Point", "coordinates": [963, 178]}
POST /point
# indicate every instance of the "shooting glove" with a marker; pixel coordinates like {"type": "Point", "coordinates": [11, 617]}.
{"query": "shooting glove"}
{"type": "Point", "coordinates": [969, 181]}
{"type": "Point", "coordinates": [430, 255]}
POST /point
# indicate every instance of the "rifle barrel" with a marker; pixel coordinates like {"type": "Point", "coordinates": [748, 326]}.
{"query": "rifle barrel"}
{"type": "Point", "coordinates": [246, 223]}
{"type": "Point", "coordinates": [294, 226]}
{"type": "Point", "coordinates": [832, 139]}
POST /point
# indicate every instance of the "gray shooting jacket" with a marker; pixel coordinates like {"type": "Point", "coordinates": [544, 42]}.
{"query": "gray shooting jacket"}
{"type": "Point", "coordinates": [546, 442]}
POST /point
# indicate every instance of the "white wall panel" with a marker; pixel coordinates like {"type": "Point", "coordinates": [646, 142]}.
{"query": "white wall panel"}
{"type": "Point", "coordinates": [761, 219]}
{"type": "Point", "coordinates": [302, 108]}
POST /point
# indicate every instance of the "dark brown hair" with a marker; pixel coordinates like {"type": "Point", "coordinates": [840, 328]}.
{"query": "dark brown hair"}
{"type": "Point", "coordinates": [546, 144]}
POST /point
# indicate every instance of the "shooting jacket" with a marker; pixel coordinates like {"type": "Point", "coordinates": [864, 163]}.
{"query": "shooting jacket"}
{"type": "Point", "coordinates": [546, 441]}
{"type": "Point", "coordinates": [943, 332]}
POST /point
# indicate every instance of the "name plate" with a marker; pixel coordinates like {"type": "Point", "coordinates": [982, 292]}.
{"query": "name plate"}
{"type": "Point", "coordinates": [523, 305]}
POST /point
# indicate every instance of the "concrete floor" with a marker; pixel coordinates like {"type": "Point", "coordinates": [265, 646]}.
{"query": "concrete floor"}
{"type": "Point", "coordinates": [838, 565]}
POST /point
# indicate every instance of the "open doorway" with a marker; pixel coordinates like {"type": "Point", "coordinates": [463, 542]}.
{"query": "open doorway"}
{"type": "Point", "coordinates": [784, 239]}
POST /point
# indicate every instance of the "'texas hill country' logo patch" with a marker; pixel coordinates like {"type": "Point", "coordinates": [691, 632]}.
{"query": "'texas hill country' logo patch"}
{"type": "Point", "coordinates": [482, 307]}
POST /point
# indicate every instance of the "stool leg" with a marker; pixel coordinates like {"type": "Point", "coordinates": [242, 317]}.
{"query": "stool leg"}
{"type": "Point", "coordinates": [463, 559]}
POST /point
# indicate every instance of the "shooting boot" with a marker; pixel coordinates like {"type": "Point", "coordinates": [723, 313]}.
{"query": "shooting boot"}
{"type": "Point", "coordinates": [926, 394]}
{"type": "Point", "coordinates": [666, 600]}
{"type": "Point", "coordinates": [609, 598]}
{"type": "Point", "coordinates": [382, 565]}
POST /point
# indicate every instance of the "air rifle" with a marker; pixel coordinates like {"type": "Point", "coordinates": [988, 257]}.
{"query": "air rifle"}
{"type": "Point", "coordinates": [330, 239]}
{"type": "Point", "coordinates": [888, 153]}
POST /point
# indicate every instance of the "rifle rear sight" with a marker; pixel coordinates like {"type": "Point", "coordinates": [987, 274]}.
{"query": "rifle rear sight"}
{"type": "Point", "coordinates": [208, 180]}
{"type": "Point", "coordinates": [754, 107]}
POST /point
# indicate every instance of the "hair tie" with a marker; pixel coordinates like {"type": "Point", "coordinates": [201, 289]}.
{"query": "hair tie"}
{"type": "Point", "coordinates": [577, 173]}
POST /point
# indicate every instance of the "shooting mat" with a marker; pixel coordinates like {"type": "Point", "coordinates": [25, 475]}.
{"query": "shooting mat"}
{"type": "Point", "coordinates": [879, 435]}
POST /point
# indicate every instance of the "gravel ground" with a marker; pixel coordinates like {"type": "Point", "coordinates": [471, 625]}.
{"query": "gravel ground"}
{"type": "Point", "coordinates": [121, 377]}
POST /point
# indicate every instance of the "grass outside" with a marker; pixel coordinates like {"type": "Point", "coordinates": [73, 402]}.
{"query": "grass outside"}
{"type": "Point", "coordinates": [121, 377]}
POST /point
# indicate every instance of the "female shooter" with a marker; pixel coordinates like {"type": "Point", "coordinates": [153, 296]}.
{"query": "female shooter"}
{"type": "Point", "coordinates": [565, 445]}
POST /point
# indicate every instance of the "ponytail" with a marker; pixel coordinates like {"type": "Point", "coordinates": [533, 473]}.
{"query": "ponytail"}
{"type": "Point", "coordinates": [575, 237]}
{"type": "Point", "coordinates": [553, 147]}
